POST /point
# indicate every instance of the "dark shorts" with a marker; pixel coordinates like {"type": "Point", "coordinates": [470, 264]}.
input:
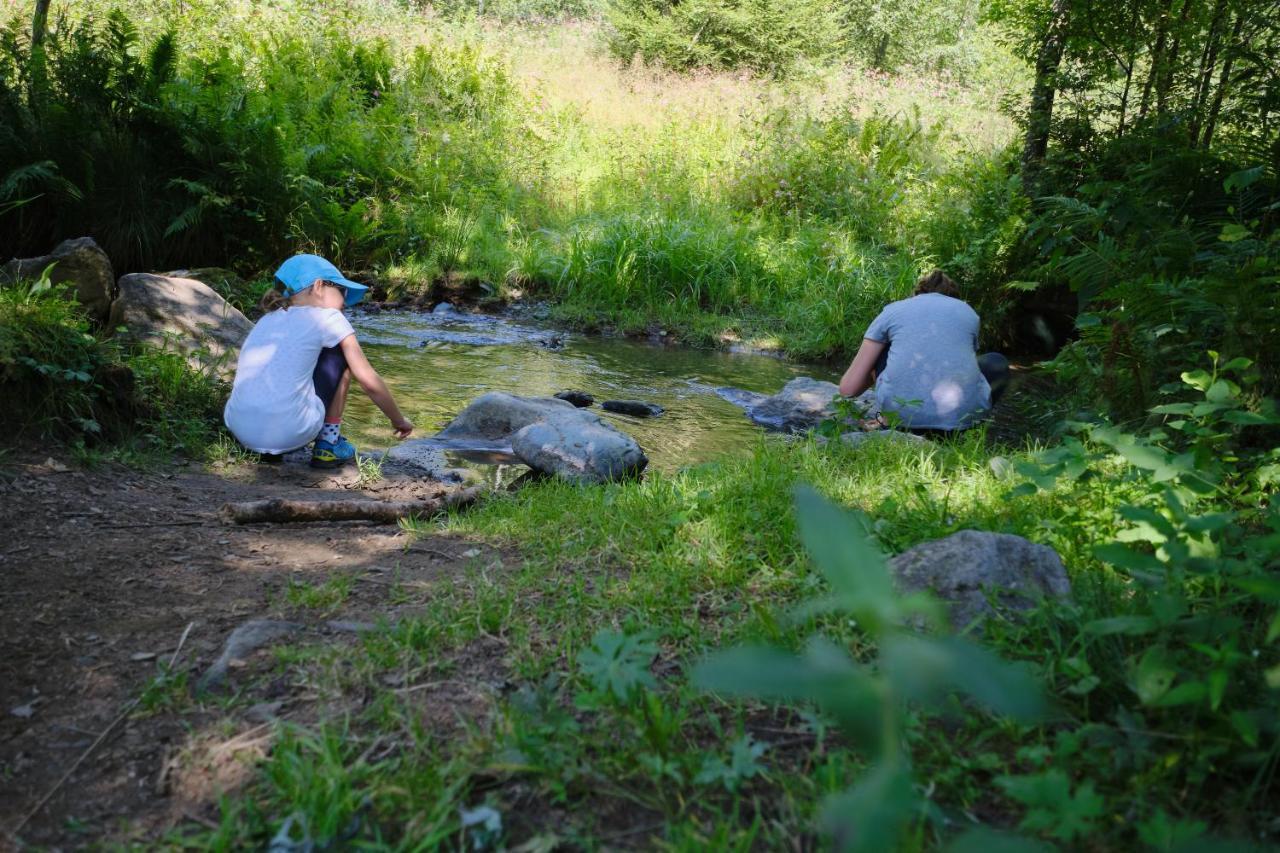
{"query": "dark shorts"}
{"type": "Point", "coordinates": [330, 367]}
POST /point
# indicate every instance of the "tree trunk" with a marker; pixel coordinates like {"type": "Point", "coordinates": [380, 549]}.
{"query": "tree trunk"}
{"type": "Point", "coordinates": [1224, 80]}
{"type": "Point", "coordinates": [1157, 55]}
{"type": "Point", "coordinates": [387, 512]}
{"type": "Point", "coordinates": [1043, 91]}
{"type": "Point", "coordinates": [39, 22]}
{"type": "Point", "coordinates": [39, 76]}
{"type": "Point", "coordinates": [1208, 61]}
{"type": "Point", "coordinates": [1164, 82]}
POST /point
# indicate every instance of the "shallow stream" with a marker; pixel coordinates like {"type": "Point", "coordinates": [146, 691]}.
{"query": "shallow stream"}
{"type": "Point", "coordinates": [436, 364]}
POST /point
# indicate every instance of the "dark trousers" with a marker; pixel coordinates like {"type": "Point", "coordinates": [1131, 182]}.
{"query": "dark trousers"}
{"type": "Point", "coordinates": [995, 367]}
{"type": "Point", "coordinates": [330, 367]}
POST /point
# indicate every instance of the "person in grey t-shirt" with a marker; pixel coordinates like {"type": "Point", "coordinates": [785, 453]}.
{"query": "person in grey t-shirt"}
{"type": "Point", "coordinates": [921, 355]}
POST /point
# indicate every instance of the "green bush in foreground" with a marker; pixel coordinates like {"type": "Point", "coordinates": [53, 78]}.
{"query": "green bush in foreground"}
{"type": "Point", "coordinates": [63, 383]}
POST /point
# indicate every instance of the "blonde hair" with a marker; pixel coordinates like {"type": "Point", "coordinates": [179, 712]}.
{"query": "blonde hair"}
{"type": "Point", "coordinates": [937, 282]}
{"type": "Point", "coordinates": [274, 299]}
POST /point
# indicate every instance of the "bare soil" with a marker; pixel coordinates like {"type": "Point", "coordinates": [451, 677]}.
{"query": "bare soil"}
{"type": "Point", "coordinates": [104, 570]}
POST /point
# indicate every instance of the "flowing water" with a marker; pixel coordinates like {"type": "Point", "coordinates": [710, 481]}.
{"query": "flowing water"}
{"type": "Point", "coordinates": [436, 364]}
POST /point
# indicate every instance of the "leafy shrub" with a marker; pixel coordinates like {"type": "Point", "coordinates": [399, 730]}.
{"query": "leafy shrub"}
{"type": "Point", "coordinates": [50, 365]}
{"type": "Point", "coordinates": [855, 171]}
{"type": "Point", "coordinates": [306, 137]}
{"type": "Point", "coordinates": [61, 382]}
{"type": "Point", "coordinates": [765, 36]}
{"type": "Point", "coordinates": [1182, 678]}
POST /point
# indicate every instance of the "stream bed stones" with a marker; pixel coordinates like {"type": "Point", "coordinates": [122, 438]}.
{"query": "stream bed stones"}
{"type": "Point", "coordinates": [549, 435]}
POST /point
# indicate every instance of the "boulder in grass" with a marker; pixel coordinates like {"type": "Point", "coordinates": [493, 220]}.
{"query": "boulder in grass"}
{"type": "Point", "coordinates": [79, 263]}
{"type": "Point", "coordinates": [970, 569]}
{"type": "Point", "coordinates": [183, 314]}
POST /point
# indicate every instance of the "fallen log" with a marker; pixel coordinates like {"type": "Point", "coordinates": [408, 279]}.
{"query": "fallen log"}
{"type": "Point", "coordinates": [280, 510]}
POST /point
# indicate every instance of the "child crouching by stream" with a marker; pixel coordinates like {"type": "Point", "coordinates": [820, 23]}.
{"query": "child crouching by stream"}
{"type": "Point", "coordinates": [296, 365]}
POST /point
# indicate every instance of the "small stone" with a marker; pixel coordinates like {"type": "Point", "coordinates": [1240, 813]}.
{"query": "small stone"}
{"type": "Point", "coordinates": [24, 712]}
{"type": "Point", "coordinates": [263, 712]}
{"type": "Point", "coordinates": [580, 399]}
{"type": "Point", "coordinates": [1000, 466]}
{"type": "Point", "coordinates": [138, 657]}
{"type": "Point", "coordinates": [471, 552]}
{"type": "Point", "coordinates": [635, 408]}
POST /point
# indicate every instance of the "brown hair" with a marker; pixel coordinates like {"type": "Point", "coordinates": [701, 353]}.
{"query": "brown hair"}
{"type": "Point", "coordinates": [937, 282]}
{"type": "Point", "coordinates": [273, 299]}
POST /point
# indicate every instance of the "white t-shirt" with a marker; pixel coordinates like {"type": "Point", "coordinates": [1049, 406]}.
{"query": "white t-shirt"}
{"type": "Point", "coordinates": [273, 406]}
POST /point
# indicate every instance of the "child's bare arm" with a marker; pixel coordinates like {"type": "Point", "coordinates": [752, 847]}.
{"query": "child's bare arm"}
{"type": "Point", "coordinates": [373, 385]}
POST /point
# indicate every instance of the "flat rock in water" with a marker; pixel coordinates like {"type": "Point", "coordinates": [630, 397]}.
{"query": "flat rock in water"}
{"type": "Point", "coordinates": [550, 436]}
{"type": "Point", "coordinates": [738, 397]}
{"type": "Point", "coordinates": [801, 405]}
{"type": "Point", "coordinates": [580, 399]}
{"type": "Point", "coordinates": [635, 408]}
{"type": "Point", "coordinates": [966, 568]}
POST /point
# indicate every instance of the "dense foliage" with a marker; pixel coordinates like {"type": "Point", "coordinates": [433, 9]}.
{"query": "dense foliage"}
{"type": "Point", "coordinates": [1124, 225]}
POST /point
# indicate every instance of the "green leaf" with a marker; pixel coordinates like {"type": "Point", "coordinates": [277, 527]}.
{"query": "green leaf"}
{"type": "Point", "coordinates": [1051, 807]}
{"type": "Point", "coordinates": [1134, 626]}
{"type": "Point", "coordinates": [618, 664]}
{"type": "Point", "coordinates": [1154, 675]}
{"type": "Point", "coordinates": [1233, 232]}
{"type": "Point", "coordinates": [1246, 418]}
{"type": "Point", "coordinates": [824, 673]}
{"type": "Point", "coordinates": [1217, 687]}
{"type": "Point", "coordinates": [921, 668]}
{"type": "Point", "coordinates": [1242, 179]}
{"type": "Point", "coordinates": [983, 840]}
{"type": "Point", "coordinates": [1123, 557]}
{"type": "Point", "coordinates": [870, 817]}
{"type": "Point", "coordinates": [1187, 693]}
{"type": "Point", "coordinates": [1173, 409]}
{"type": "Point", "coordinates": [1246, 726]}
{"type": "Point", "coordinates": [1198, 379]}
{"type": "Point", "coordinates": [1163, 834]}
{"type": "Point", "coordinates": [844, 553]}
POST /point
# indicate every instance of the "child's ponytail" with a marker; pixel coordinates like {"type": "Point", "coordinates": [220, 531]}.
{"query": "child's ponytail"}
{"type": "Point", "coordinates": [273, 299]}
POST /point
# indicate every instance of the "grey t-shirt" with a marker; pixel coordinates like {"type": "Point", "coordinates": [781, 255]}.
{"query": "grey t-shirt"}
{"type": "Point", "coordinates": [931, 377]}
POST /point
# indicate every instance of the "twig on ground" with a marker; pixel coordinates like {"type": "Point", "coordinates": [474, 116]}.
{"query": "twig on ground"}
{"type": "Point", "coordinates": [388, 512]}
{"type": "Point", "coordinates": [13, 833]}
{"type": "Point", "coordinates": [181, 642]}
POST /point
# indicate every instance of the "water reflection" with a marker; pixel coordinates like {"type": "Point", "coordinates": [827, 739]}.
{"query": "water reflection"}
{"type": "Point", "coordinates": [434, 382]}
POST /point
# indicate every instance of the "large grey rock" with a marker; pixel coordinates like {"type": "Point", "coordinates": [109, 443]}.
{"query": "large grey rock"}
{"type": "Point", "coordinates": [801, 405]}
{"type": "Point", "coordinates": [548, 435]}
{"type": "Point", "coordinates": [181, 313]}
{"type": "Point", "coordinates": [965, 568]}
{"type": "Point", "coordinates": [79, 262]}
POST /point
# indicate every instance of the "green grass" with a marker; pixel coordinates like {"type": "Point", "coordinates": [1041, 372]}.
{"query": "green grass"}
{"type": "Point", "coordinates": [696, 560]}
{"type": "Point", "coordinates": [584, 728]}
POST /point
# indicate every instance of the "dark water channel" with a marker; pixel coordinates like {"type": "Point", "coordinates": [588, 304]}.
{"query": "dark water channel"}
{"type": "Point", "coordinates": [437, 364]}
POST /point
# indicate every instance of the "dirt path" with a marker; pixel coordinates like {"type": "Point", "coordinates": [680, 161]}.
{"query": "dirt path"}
{"type": "Point", "coordinates": [103, 570]}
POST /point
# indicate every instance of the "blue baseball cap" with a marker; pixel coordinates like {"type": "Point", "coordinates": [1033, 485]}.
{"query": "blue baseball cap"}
{"type": "Point", "coordinates": [301, 271]}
